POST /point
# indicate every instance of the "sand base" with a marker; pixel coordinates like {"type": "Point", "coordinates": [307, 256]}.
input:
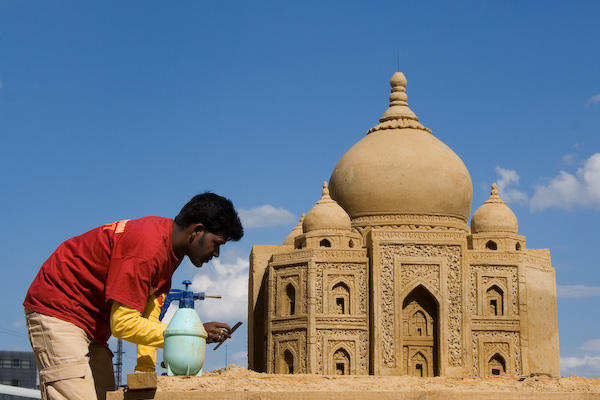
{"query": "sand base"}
{"type": "Point", "coordinates": [239, 383]}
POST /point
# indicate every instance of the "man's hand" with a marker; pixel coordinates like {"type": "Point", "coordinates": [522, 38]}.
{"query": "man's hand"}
{"type": "Point", "coordinates": [217, 331]}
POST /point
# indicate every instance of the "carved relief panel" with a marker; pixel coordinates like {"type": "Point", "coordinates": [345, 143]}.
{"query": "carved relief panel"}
{"type": "Point", "coordinates": [437, 269]}
{"type": "Point", "coordinates": [342, 352]}
{"type": "Point", "coordinates": [494, 291]}
{"type": "Point", "coordinates": [496, 353]}
{"type": "Point", "coordinates": [341, 288]}
{"type": "Point", "coordinates": [290, 353]}
{"type": "Point", "coordinates": [290, 292]}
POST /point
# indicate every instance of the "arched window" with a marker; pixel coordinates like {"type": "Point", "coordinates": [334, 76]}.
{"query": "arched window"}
{"type": "Point", "coordinates": [289, 306]}
{"type": "Point", "coordinates": [496, 365]}
{"type": "Point", "coordinates": [495, 301]}
{"type": "Point", "coordinates": [419, 365]}
{"type": "Point", "coordinates": [491, 245]}
{"type": "Point", "coordinates": [351, 243]}
{"type": "Point", "coordinates": [419, 323]}
{"type": "Point", "coordinates": [325, 243]}
{"type": "Point", "coordinates": [340, 294]}
{"type": "Point", "coordinates": [341, 362]}
{"type": "Point", "coordinates": [518, 246]}
{"type": "Point", "coordinates": [288, 362]}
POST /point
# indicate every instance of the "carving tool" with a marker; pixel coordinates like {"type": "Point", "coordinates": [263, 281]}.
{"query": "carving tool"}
{"type": "Point", "coordinates": [232, 330]}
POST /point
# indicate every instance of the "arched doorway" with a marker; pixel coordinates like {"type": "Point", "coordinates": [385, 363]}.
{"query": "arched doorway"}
{"type": "Point", "coordinates": [287, 365]}
{"type": "Point", "coordinates": [341, 362]}
{"type": "Point", "coordinates": [420, 333]}
{"type": "Point", "coordinates": [496, 365]}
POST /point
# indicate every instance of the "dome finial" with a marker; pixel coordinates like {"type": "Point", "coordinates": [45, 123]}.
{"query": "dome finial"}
{"type": "Point", "coordinates": [398, 115]}
{"type": "Point", "coordinates": [398, 96]}
{"type": "Point", "coordinates": [494, 195]}
{"type": "Point", "coordinates": [325, 191]}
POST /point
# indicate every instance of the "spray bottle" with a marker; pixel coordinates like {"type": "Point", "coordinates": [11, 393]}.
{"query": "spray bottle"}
{"type": "Point", "coordinates": [185, 336]}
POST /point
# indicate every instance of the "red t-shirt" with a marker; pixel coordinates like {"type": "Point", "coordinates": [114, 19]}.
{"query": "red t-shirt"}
{"type": "Point", "coordinates": [124, 261]}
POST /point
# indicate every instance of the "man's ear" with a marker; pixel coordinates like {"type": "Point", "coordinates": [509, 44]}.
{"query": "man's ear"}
{"type": "Point", "coordinates": [193, 230]}
{"type": "Point", "coordinates": [198, 228]}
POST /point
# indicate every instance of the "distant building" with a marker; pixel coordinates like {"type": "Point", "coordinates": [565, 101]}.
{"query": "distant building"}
{"type": "Point", "coordinates": [384, 275]}
{"type": "Point", "coordinates": [17, 368]}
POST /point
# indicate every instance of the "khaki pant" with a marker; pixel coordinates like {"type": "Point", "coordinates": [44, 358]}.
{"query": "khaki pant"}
{"type": "Point", "coordinates": [71, 366]}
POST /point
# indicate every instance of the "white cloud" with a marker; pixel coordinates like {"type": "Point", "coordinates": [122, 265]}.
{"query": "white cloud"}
{"type": "Point", "coordinates": [229, 280]}
{"type": "Point", "coordinates": [592, 346]}
{"type": "Point", "coordinates": [576, 291]}
{"type": "Point", "coordinates": [594, 99]}
{"type": "Point", "coordinates": [569, 159]}
{"type": "Point", "coordinates": [506, 179]}
{"type": "Point", "coordinates": [567, 190]}
{"type": "Point", "coordinates": [586, 366]}
{"type": "Point", "coordinates": [266, 215]}
{"type": "Point", "coordinates": [240, 358]}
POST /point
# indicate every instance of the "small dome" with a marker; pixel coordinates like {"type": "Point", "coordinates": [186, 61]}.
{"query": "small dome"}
{"type": "Point", "coordinates": [297, 231]}
{"type": "Point", "coordinates": [494, 216]}
{"type": "Point", "coordinates": [401, 168]}
{"type": "Point", "coordinates": [326, 215]}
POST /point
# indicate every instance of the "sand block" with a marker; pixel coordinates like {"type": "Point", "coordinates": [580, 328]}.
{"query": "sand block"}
{"type": "Point", "coordinates": [141, 381]}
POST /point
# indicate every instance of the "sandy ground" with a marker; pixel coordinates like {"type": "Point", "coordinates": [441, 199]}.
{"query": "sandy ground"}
{"type": "Point", "coordinates": [236, 378]}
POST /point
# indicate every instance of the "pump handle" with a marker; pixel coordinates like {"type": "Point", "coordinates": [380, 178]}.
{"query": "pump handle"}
{"type": "Point", "coordinates": [177, 294]}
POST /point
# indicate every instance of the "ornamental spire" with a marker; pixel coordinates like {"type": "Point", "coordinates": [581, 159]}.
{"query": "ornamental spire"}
{"type": "Point", "coordinates": [398, 115]}
{"type": "Point", "coordinates": [325, 192]}
{"type": "Point", "coordinates": [494, 195]}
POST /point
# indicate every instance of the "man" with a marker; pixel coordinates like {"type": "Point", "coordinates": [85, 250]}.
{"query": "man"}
{"type": "Point", "coordinates": [111, 280]}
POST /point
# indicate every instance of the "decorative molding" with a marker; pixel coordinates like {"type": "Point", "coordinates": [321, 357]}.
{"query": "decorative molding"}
{"type": "Point", "coordinates": [293, 256]}
{"type": "Point", "coordinates": [494, 257]}
{"type": "Point", "coordinates": [412, 221]}
{"type": "Point", "coordinates": [399, 123]}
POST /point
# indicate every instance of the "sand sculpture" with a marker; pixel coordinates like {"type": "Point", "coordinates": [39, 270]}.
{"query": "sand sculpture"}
{"type": "Point", "coordinates": [384, 276]}
{"type": "Point", "coordinates": [383, 286]}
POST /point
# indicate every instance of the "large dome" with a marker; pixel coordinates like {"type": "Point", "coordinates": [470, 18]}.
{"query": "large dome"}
{"type": "Point", "coordinates": [401, 168]}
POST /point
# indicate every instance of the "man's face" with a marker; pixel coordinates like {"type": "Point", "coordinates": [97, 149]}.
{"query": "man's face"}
{"type": "Point", "coordinates": [204, 246]}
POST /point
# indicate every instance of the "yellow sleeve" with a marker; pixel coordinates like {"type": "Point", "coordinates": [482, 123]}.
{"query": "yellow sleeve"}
{"type": "Point", "coordinates": [128, 324]}
{"type": "Point", "coordinates": [146, 355]}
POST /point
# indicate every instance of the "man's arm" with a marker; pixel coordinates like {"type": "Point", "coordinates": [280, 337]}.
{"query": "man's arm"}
{"type": "Point", "coordinates": [128, 324]}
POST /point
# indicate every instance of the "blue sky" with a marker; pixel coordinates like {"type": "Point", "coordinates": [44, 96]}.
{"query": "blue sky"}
{"type": "Point", "coordinates": [113, 110]}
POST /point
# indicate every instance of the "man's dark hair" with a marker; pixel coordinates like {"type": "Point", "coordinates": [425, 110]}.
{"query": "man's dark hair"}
{"type": "Point", "coordinates": [216, 213]}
